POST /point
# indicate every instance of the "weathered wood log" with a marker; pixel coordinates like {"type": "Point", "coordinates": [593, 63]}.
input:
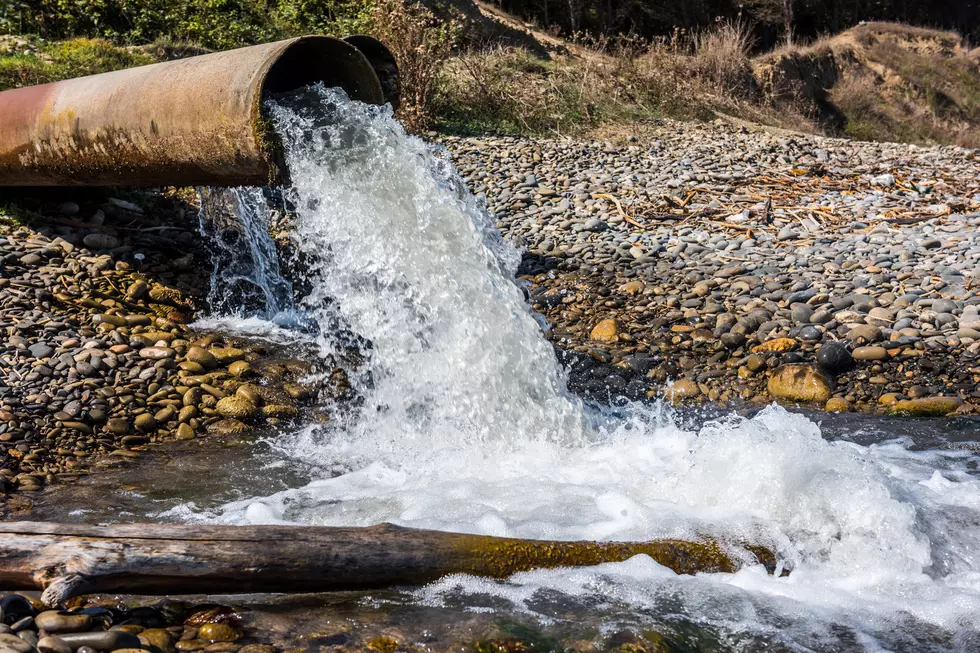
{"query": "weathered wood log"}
{"type": "Point", "coordinates": [68, 560]}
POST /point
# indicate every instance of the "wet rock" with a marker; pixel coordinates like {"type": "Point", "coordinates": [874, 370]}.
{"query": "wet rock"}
{"type": "Point", "coordinates": [53, 645]}
{"type": "Point", "coordinates": [926, 406]}
{"type": "Point", "coordinates": [145, 423]}
{"type": "Point", "coordinates": [239, 369]}
{"type": "Point", "coordinates": [257, 648]}
{"type": "Point", "coordinates": [136, 291]}
{"type": "Point", "coordinates": [217, 632]}
{"type": "Point", "coordinates": [158, 637]}
{"type": "Point", "coordinates": [280, 411]}
{"type": "Point", "coordinates": [54, 622]}
{"type": "Point", "coordinates": [118, 426]}
{"type": "Point", "coordinates": [837, 405]}
{"type": "Point", "coordinates": [202, 357]}
{"type": "Point", "coordinates": [164, 294]}
{"type": "Point", "coordinates": [236, 407]}
{"type": "Point", "coordinates": [682, 389]}
{"type": "Point", "coordinates": [297, 391]}
{"type": "Point", "coordinates": [800, 382]}
{"type": "Point", "coordinates": [228, 427]}
{"type": "Point", "coordinates": [227, 355]}
{"type": "Point", "coordinates": [250, 392]}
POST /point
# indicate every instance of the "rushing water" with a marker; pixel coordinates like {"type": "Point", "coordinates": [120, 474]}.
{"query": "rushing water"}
{"type": "Point", "coordinates": [467, 426]}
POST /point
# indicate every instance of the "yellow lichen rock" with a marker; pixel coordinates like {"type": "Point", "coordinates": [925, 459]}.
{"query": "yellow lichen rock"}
{"type": "Point", "coordinates": [606, 331]}
{"type": "Point", "coordinates": [778, 345]}
{"type": "Point", "coordinates": [801, 382]}
{"type": "Point", "coordinates": [926, 406]}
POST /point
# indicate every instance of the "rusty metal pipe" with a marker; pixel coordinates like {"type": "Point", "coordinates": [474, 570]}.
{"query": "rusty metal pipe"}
{"type": "Point", "coordinates": [190, 122]}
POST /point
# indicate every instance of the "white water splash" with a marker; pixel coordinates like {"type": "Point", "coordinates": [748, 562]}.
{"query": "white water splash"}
{"type": "Point", "coordinates": [467, 426]}
{"type": "Point", "coordinates": [246, 278]}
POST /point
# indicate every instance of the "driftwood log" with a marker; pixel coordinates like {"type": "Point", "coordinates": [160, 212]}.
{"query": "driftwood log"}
{"type": "Point", "coordinates": [68, 560]}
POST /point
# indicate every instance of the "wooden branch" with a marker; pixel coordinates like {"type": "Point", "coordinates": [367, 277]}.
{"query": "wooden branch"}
{"type": "Point", "coordinates": [67, 560]}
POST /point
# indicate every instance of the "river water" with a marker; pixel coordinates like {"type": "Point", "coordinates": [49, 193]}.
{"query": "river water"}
{"type": "Point", "coordinates": [466, 425]}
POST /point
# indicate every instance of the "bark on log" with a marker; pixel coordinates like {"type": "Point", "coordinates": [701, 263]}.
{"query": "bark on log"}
{"type": "Point", "coordinates": [67, 560]}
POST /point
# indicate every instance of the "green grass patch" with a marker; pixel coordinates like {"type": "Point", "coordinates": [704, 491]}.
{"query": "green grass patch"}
{"type": "Point", "coordinates": [51, 62]}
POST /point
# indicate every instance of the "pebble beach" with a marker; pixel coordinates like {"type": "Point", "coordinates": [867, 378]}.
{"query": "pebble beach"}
{"type": "Point", "coordinates": [711, 262]}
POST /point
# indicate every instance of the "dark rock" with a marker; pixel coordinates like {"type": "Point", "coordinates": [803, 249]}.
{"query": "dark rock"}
{"type": "Point", "coordinates": [834, 357]}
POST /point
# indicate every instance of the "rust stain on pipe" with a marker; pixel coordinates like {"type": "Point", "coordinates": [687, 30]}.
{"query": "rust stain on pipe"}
{"type": "Point", "coordinates": [195, 121]}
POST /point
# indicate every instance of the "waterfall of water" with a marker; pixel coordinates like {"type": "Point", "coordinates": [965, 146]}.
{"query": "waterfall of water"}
{"type": "Point", "coordinates": [246, 278]}
{"type": "Point", "coordinates": [467, 425]}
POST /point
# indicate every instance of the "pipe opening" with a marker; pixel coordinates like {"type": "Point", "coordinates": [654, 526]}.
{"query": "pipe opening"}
{"type": "Point", "coordinates": [314, 59]}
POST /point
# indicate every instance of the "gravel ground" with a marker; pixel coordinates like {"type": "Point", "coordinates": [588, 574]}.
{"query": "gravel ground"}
{"type": "Point", "coordinates": [708, 261]}
{"type": "Point", "coordinates": [98, 359]}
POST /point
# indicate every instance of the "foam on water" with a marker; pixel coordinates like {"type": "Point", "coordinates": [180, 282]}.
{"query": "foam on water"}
{"type": "Point", "coordinates": [467, 426]}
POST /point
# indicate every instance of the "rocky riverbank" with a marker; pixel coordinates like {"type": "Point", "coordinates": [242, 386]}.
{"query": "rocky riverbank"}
{"type": "Point", "coordinates": [712, 262]}
{"type": "Point", "coordinates": [99, 358]}
{"type": "Point", "coordinates": [703, 262]}
{"type": "Point", "coordinates": [102, 623]}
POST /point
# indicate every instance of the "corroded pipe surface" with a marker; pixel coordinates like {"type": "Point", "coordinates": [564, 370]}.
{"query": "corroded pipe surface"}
{"type": "Point", "coordinates": [194, 121]}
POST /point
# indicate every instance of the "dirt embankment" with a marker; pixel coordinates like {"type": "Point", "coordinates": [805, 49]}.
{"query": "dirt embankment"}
{"type": "Point", "coordinates": [881, 81]}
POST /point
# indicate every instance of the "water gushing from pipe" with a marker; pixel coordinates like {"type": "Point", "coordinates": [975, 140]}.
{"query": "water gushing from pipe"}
{"type": "Point", "coordinates": [467, 426]}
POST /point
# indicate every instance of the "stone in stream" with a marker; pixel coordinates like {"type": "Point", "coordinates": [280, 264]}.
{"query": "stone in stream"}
{"type": "Point", "coordinates": [800, 382]}
{"type": "Point", "coordinates": [157, 637]}
{"type": "Point", "coordinates": [185, 432]}
{"type": "Point", "coordinates": [55, 621]}
{"type": "Point", "coordinates": [926, 406]}
{"type": "Point", "coordinates": [280, 411]}
{"type": "Point", "coordinates": [217, 632]}
{"type": "Point", "coordinates": [227, 355]}
{"type": "Point", "coordinates": [227, 427]}
{"type": "Point", "coordinates": [239, 368]}
{"type": "Point", "coordinates": [236, 407]}
{"type": "Point", "coordinates": [297, 391]}
{"type": "Point", "coordinates": [201, 356]}
{"type": "Point", "coordinates": [837, 405]}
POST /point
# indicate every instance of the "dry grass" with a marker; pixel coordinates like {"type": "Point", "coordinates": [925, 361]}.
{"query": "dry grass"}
{"type": "Point", "coordinates": [421, 44]}
{"type": "Point", "coordinates": [893, 82]}
{"type": "Point", "coordinates": [598, 83]}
